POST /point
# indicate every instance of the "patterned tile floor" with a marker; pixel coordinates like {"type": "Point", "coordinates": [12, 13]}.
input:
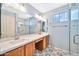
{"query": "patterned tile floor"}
{"type": "Point", "coordinates": [49, 51]}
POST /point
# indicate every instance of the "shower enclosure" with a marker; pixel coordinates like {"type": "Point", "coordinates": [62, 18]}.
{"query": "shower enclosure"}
{"type": "Point", "coordinates": [65, 28]}
{"type": "Point", "coordinates": [74, 30]}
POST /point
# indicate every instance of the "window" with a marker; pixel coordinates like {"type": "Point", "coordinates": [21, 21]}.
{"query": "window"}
{"type": "Point", "coordinates": [74, 14]}
{"type": "Point", "coordinates": [63, 16]}
{"type": "Point", "coordinates": [56, 18]}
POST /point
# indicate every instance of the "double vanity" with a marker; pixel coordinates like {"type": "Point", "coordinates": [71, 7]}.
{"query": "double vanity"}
{"type": "Point", "coordinates": [24, 45]}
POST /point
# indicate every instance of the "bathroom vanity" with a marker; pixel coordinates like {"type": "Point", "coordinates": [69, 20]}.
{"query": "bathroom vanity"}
{"type": "Point", "coordinates": [19, 35]}
{"type": "Point", "coordinates": [25, 45]}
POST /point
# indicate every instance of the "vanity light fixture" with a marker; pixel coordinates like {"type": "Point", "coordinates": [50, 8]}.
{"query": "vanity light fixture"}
{"type": "Point", "coordinates": [40, 18]}
{"type": "Point", "coordinates": [22, 8]}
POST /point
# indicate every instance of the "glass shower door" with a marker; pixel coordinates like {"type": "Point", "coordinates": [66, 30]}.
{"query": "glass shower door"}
{"type": "Point", "coordinates": [74, 32]}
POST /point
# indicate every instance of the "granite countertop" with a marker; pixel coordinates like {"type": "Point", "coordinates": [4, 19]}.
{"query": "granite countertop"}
{"type": "Point", "coordinates": [8, 44]}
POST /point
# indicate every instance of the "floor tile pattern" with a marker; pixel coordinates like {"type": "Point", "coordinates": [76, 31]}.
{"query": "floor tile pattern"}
{"type": "Point", "coordinates": [49, 51]}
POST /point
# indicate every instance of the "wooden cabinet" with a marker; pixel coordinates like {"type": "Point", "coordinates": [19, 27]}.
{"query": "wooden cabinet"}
{"type": "Point", "coordinates": [45, 42]}
{"type": "Point", "coordinates": [41, 45]}
{"type": "Point", "coordinates": [1, 54]}
{"type": "Point", "coordinates": [30, 49]}
{"type": "Point", "coordinates": [27, 50]}
{"type": "Point", "coordinates": [16, 52]}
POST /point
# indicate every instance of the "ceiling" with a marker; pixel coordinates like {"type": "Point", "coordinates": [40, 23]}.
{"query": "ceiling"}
{"type": "Point", "coordinates": [45, 7]}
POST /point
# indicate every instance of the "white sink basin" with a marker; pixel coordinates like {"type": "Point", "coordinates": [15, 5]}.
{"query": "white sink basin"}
{"type": "Point", "coordinates": [17, 41]}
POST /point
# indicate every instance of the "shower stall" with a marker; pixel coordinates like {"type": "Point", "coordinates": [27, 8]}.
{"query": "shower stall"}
{"type": "Point", "coordinates": [74, 30]}
{"type": "Point", "coordinates": [64, 28]}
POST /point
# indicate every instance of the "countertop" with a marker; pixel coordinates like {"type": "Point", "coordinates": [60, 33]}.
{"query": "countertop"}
{"type": "Point", "coordinates": [8, 44]}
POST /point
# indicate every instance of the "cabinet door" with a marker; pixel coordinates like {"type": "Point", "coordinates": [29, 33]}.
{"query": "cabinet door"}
{"type": "Point", "coordinates": [45, 42]}
{"type": "Point", "coordinates": [16, 52]}
{"type": "Point", "coordinates": [30, 49]}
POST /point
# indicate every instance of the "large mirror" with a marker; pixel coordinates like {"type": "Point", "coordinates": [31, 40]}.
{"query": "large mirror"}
{"type": "Point", "coordinates": [27, 26]}
{"type": "Point", "coordinates": [12, 24]}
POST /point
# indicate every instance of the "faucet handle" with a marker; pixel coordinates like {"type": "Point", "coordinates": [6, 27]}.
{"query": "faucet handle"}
{"type": "Point", "coordinates": [16, 37]}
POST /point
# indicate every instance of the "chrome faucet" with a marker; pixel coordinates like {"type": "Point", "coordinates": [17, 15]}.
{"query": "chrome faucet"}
{"type": "Point", "coordinates": [16, 37]}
